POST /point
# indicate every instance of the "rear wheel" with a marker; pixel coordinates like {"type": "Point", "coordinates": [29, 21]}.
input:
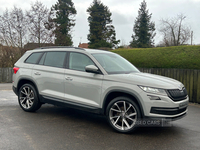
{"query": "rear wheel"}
{"type": "Point", "coordinates": [123, 114]}
{"type": "Point", "coordinates": [28, 98]}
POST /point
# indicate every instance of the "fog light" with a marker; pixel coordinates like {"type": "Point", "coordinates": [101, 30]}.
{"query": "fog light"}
{"type": "Point", "coordinates": [153, 97]}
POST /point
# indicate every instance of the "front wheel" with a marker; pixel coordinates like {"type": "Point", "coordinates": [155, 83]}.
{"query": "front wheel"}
{"type": "Point", "coordinates": [122, 114]}
{"type": "Point", "coordinates": [28, 98]}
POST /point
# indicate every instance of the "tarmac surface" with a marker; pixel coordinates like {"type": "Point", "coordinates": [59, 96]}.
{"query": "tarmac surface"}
{"type": "Point", "coordinates": [55, 128]}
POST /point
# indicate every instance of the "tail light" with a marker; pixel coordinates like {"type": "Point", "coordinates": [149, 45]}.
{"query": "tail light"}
{"type": "Point", "coordinates": [15, 69]}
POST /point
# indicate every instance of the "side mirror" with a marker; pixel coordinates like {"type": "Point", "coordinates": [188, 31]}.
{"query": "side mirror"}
{"type": "Point", "coordinates": [92, 69]}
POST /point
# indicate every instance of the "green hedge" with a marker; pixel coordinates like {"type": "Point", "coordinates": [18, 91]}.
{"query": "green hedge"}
{"type": "Point", "coordinates": [184, 57]}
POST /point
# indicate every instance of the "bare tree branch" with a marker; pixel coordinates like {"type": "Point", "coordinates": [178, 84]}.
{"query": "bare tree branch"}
{"type": "Point", "coordinates": [38, 18]}
{"type": "Point", "coordinates": [13, 28]}
{"type": "Point", "coordinates": [174, 31]}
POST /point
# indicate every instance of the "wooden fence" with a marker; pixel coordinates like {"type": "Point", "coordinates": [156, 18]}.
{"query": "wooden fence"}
{"type": "Point", "coordinates": [6, 75]}
{"type": "Point", "coordinates": [190, 78]}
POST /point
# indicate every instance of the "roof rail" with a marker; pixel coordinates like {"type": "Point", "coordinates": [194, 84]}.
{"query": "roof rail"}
{"type": "Point", "coordinates": [48, 47]}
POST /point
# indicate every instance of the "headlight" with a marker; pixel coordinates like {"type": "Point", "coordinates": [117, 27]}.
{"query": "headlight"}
{"type": "Point", "coordinates": [153, 90]}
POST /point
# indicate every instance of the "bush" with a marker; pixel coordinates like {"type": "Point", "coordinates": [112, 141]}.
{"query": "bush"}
{"type": "Point", "coordinates": [183, 57]}
{"type": "Point", "coordinates": [8, 56]}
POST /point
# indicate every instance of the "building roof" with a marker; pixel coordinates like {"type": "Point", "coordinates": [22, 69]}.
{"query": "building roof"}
{"type": "Point", "coordinates": [83, 45]}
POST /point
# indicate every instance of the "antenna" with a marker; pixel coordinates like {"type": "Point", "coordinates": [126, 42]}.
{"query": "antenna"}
{"type": "Point", "coordinates": [80, 39]}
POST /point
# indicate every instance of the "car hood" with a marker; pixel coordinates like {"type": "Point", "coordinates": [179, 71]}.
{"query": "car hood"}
{"type": "Point", "coordinates": [145, 79]}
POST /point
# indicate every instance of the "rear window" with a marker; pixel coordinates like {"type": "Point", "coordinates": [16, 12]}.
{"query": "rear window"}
{"type": "Point", "coordinates": [55, 59]}
{"type": "Point", "coordinates": [33, 58]}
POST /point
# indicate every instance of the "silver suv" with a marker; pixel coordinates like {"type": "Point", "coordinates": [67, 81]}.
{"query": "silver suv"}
{"type": "Point", "coordinates": [97, 81]}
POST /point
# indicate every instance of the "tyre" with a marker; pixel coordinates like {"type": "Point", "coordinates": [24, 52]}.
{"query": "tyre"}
{"type": "Point", "coordinates": [28, 98]}
{"type": "Point", "coordinates": [122, 114]}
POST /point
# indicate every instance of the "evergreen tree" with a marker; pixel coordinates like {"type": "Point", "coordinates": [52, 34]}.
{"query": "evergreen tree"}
{"type": "Point", "coordinates": [102, 32]}
{"type": "Point", "coordinates": [143, 29]}
{"type": "Point", "coordinates": [61, 20]}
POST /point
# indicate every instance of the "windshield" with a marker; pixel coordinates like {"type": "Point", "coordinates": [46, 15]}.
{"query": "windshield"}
{"type": "Point", "coordinates": [114, 64]}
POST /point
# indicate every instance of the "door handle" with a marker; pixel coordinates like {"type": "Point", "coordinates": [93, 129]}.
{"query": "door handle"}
{"type": "Point", "coordinates": [37, 73]}
{"type": "Point", "coordinates": [68, 78]}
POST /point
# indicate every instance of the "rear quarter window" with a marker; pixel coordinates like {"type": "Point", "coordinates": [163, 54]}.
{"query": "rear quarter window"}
{"type": "Point", "coordinates": [33, 58]}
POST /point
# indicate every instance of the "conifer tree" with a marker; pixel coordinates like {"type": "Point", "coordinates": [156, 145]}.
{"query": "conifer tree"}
{"type": "Point", "coordinates": [143, 29]}
{"type": "Point", "coordinates": [102, 32]}
{"type": "Point", "coordinates": [62, 20]}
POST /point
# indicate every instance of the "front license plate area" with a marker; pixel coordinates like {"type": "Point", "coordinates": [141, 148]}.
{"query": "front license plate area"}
{"type": "Point", "coordinates": [183, 105]}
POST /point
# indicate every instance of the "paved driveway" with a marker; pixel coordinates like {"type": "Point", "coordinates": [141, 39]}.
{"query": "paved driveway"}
{"type": "Point", "coordinates": [54, 128]}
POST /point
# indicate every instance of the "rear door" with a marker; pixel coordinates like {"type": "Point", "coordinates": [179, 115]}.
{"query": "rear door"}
{"type": "Point", "coordinates": [49, 74]}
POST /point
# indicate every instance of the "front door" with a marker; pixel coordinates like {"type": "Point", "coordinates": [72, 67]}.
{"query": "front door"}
{"type": "Point", "coordinates": [80, 86]}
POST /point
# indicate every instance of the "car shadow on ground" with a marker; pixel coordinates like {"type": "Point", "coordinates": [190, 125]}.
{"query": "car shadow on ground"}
{"type": "Point", "coordinates": [99, 121]}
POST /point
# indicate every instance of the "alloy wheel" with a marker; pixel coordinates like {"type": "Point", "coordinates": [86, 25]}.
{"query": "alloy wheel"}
{"type": "Point", "coordinates": [26, 97]}
{"type": "Point", "coordinates": [123, 115]}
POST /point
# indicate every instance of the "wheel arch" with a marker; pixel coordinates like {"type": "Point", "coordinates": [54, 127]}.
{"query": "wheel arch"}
{"type": "Point", "coordinates": [116, 93]}
{"type": "Point", "coordinates": [25, 81]}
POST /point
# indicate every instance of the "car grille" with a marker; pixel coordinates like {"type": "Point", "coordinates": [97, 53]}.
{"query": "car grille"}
{"type": "Point", "coordinates": [177, 95]}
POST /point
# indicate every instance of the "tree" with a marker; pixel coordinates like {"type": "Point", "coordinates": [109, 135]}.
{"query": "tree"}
{"type": "Point", "coordinates": [6, 32]}
{"type": "Point", "coordinates": [38, 18]}
{"type": "Point", "coordinates": [20, 28]}
{"type": "Point", "coordinates": [143, 29]}
{"type": "Point", "coordinates": [61, 21]}
{"type": "Point", "coordinates": [174, 31]}
{"type": "Point", "coordinates": [102, 32]}
{"type": "Point", "coordinates": [13, 28]}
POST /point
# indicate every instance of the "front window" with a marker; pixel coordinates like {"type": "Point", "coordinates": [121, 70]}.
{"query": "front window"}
{"type": "Point", "coordinates": [114, 64]}
{"type": "Point", "coordinates": [78, 61]}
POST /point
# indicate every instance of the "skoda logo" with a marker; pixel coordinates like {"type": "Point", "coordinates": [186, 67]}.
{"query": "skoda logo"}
{"type": "Point", "coordinates": [180, 88]}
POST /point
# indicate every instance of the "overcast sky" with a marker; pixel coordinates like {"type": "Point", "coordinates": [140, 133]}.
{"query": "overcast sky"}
{"type": "Point", "coordinates": [124, 13]}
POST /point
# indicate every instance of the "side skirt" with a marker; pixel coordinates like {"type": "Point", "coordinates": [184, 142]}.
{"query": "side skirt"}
{"type": "Point", "coordinates": [64, 103]}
